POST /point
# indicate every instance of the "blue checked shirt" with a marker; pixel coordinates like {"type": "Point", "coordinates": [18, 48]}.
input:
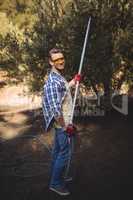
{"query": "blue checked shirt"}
{"type": "Point", "coordinates": [53, 94]}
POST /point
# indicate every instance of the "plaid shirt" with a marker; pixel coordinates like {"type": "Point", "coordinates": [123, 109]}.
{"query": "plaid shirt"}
{"type": "Point", "coordinates": [53, 94]}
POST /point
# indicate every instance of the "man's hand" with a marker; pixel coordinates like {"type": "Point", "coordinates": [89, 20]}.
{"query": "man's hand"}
{"type": "Point", "coordinates": [77, 77]}
{"type": "Point", "coordinates": [60, 121]}
{"type": "Point", "coordinates": [71, 130]}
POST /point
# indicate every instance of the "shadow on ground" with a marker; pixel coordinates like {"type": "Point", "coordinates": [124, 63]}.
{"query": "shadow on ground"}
{"type": "Point", "coordinates": [102, 164]}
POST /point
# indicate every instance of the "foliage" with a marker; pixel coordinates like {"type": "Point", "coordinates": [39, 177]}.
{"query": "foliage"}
{"type": "Point", "coordinates": [44, 24]}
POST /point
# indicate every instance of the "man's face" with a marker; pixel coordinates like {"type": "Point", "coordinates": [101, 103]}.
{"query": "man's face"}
{"type": "Point", "coordinates": [57, 60]}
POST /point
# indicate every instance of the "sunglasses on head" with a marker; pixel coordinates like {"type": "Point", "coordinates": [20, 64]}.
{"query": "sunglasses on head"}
{"type": "Point", "coordinates": [59, 61]}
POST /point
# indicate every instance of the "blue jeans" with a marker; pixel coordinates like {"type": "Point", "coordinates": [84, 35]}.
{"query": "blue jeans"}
{"type": "Point", "coordinates": [61, 155]}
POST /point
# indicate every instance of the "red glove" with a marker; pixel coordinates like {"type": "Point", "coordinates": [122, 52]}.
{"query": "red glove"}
{"type": "Point", "coordinates": [71, 129]}
{"type": "Point", "coordinates": [77, 77]}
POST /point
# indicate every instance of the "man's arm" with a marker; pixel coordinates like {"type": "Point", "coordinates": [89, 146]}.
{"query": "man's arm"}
{"type": "Point", "coordinates": [72, 83]}
{"type": "Point", "coordinates": [76, 78]}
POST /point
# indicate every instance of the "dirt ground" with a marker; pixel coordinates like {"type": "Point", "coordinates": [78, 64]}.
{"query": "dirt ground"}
{"type": "Point", "coordinates": [102, 162]}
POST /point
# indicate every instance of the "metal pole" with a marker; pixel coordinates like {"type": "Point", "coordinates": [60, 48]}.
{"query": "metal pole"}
{"type": "Point", "coordinates": [80, 68]}
{"type": "Point", "coordinates": [71, 139]}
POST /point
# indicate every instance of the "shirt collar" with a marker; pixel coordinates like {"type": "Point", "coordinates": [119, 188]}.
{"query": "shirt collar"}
{"type": "Point", "coordinates": [58, 73]}
{"type": "Point", "coordinates": [55, 71]}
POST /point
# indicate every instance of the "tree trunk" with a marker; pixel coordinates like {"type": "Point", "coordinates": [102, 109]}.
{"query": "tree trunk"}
{"type": "Point", "coordinates": [107, 97]}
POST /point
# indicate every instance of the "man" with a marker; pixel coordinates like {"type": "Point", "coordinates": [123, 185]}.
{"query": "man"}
{"type": "Point", "coordinates": [57, 107]}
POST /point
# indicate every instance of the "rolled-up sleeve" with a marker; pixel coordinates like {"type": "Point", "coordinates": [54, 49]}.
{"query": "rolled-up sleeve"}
{"type": "Point", "coordinates": [54, 98]}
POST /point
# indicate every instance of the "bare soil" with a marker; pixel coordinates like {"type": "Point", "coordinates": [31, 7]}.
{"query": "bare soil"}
{"type": "Point", "coordinates": [102, 162]}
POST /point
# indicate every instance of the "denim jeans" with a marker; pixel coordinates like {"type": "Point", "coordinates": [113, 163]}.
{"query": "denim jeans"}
{"type": "Point", "coordinates": [61, 155]}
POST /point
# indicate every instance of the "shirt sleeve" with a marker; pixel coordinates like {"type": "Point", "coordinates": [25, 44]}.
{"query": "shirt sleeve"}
{"type": "Point", "coordinates": [54, 98]}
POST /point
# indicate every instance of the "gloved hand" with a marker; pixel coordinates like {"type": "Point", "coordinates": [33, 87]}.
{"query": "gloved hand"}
{"type": "Point", "coordinates": [71, 130]}
{"type": "Point", "coordinates": [77, 77]}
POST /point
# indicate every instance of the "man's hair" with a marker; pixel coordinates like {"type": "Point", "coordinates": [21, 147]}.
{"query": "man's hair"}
{"type": "Point", "coordinates": [54, 51]}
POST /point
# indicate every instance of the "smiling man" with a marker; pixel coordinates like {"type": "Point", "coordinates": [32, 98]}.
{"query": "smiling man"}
{"type": "Point", "coordinates": [57, 107]}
